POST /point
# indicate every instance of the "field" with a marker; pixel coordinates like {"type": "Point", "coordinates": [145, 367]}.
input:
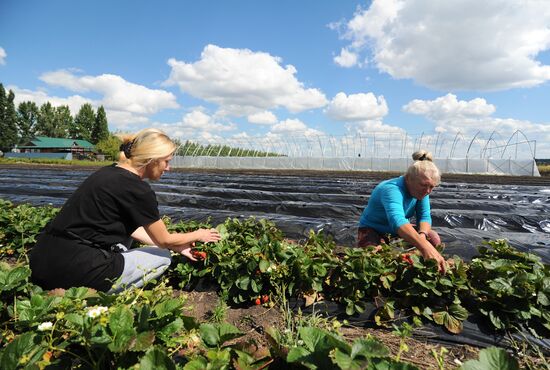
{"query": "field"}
{"type": "Point", "coordinates": [467, 210]}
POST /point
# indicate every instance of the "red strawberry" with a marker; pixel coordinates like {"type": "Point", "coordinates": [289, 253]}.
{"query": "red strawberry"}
{"type": "Point", "coordinates": [406, 257]}
{"type": "Point", "coordinates": [198, 254]}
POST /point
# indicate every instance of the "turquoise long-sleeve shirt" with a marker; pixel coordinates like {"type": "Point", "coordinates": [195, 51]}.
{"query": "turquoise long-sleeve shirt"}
{"type": "Point", "coordinates": [390, 206]}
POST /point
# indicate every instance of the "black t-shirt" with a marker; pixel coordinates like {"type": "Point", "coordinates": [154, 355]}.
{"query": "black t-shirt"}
{"type": "Point", "coordinates": [105, 210]}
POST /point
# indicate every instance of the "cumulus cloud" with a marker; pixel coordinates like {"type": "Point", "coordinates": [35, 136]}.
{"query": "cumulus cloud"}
{"type": "Point", "coordinates": [449, 106]}
{"type": "Point", "coordinates": [346, 58]}
{"type": "Point", "coordinates": [118, 120]}
{"type": "Point", "coordinates": [262, 118]}
{"type": "Point", "coordinates": [40, 97]}
{"type": "Point", "coordinates": [197, 120]}
{"type": "Point", "coordinates": [375, 127]}
{"type": "Point", "coordinates": [127, 105]}
{"type": "Point", "coordinates": [453, 116]}
{"type": "Point", "coordinates": [118, 94]}
{"type": "Point", "coordinates": [3, 56]}
{"type": "Point", "coordinates": [357, 107]}
{"type": "Point", "coordinates": [183, 134]}
{"type": "Point", "coordinates": [452, 45]}
{"type": "Point", "coordinates": [198, 126]}
{"type": "Point", "coordinates": [243, 82]}
{"type": "Point", "coordinates": [294, 127]}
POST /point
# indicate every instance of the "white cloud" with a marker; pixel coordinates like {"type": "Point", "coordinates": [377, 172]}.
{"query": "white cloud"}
{"type": "Point", "coordinates": [197, 120]}
{"type": "Point", "coordinates": [451, 45]}
{"type": "Point", "coordinates": [262, 118]}
{"type": "Point", "coordinates": [375, 127]}
{"type": "Point", "coordinates": [118, 119]}
{"type": "Point", "coordinates": [184, 134]}
{"type": "Point", "coordinates": [243, 82]}
{"type": "Point", "coordinates": [126, 121]}
{"type": "Point", "coordinates": [357, 107]}
{"type": "Point", "coordinates": [3, 56]}
{"type": "Point", "coordinates": [453, 116]}
{"type": "Point", "coordinates": [197, 126]}
{"type": "Point", "coordinates": [118, 94]}
{"type": "Point", "coordinates": [448, 106]}
{"type": "Point", "coordinates": [294, 127]}
{"type": "Point", "coordinates": [39, 97]}
{"type": "Point", "coordinates": [346, 58]}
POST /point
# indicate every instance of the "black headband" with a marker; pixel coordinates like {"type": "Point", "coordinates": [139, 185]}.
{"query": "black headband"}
{"type": "Point", "coordinates": [127, 148]}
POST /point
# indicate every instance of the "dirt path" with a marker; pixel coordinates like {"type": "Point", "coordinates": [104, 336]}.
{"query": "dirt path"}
{"type": "Point", "coordinates": [255, 320]}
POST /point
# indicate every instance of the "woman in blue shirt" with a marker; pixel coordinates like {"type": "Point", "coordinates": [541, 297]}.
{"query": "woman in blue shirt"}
{"type": "Point", "coordinates": [393, 202]}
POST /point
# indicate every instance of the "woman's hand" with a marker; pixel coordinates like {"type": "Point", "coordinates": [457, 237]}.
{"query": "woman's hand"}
{"type": "Point", "coordinates": [432, 253]}
{"type": "Point", "coordinates": [187, 253]}
{"type": "Point", "coordinates": [179, 241]}
{"type": "Point", "coordinates": [428, 251]}
{"type": "Point", "coordinates": [208, 235]}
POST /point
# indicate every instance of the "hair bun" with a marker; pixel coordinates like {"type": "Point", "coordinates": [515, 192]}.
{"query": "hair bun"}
{"type": "Point", "coordinates": [422, 155]}
{"type": "Point", "coordinates": [127, 148]}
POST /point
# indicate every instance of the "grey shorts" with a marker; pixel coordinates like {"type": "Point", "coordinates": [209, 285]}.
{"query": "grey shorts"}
{"type": "Point", "coordinates": [140, 266]}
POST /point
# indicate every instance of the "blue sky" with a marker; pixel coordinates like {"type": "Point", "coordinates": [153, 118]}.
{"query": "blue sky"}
{"type": "Point", "coordinates": [266, 70]}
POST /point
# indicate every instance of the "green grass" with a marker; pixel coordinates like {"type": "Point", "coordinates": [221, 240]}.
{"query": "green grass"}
{"type": "Point", "coordinates": [54, 161]}
{"type": "Point", "coordinates": [544, 169]}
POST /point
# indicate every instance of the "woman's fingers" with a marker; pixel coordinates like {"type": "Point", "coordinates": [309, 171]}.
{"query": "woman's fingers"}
{"type": "Point", "coordinates": [435, 255]}
{"type": "Point", "coordinates": [187, 253]}
{"type": "Point", "coordinates": [209, 235]}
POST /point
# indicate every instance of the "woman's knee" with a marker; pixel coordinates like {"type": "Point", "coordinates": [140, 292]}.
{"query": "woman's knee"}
{"type": "Point", "coordinates": [161, 255]}
{"type": "Point", "coordinates": [367, 236]}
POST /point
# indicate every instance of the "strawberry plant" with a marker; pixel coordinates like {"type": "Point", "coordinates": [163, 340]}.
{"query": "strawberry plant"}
{"type": "Point", "coordinates": [319, 349]}
{"type": "Point", "coordinates": [185, 226]}
{"type": "Point", "coordinates": [492, 358]}
{"type": "Point", "coordinates": [20, 226]}
{"type": "Point", "coordinates": [243, 262]}
{"type": "Point", "coordinates": [313, 263]}
{"type": "Point", "coordinates": [252, 264]}
{"type": "Point", "coordinates": [511, 288]}
{"type": "Point", "coordinates": [81, 326]}
{"type": "Point", "coordinates": [421, 288]}
{"type": "Point", "coordinates": [362, 275]}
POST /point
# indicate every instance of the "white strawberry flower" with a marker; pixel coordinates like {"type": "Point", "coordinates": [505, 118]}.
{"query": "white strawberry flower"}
{"type": "Point", "coordinates": [45, 326]}
{"type": "Point", "coordinates": [96, 311]}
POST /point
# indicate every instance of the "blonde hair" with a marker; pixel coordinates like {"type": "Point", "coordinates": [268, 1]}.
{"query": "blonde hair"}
{"type": "Point", "coordinates": [145, 146]}
{"type": "Point", "coordinates": [423, 165]}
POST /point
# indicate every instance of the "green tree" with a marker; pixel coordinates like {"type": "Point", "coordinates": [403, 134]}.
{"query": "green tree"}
{"type": "Point", "coordinates": [9, 138]}
{"type": "Point", "coordinates": [109, 146]}
{"type": "Point", "coordinates": [27, 116]}
{"type": "Point", "coordinates": [45, 124]}
{"type": "Point", "coordinates": [101, 128]}
{"type": "Point", "coordinates": [3, 99]}
{"type": "Point", "coordinates": [62, 121]}
{"type": "Point", "coordinates": [84, 122]}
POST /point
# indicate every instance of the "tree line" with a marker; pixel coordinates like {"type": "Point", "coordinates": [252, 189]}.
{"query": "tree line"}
{"type": "Point", "coordinates": [19, 125]}
{"type": "Point", "coordinates": [192, 149]}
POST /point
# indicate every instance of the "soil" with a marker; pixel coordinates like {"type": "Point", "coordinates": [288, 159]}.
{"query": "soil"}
{"type": "Point", "coordinates": [255, 320]}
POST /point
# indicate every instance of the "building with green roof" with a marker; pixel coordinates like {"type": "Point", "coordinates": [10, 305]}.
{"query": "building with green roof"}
{"type": "Point", "coordinates": [53, 147]}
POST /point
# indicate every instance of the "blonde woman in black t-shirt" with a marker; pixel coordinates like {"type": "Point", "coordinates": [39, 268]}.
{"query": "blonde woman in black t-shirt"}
{"type": "Point", "coordinates": [86, 244]}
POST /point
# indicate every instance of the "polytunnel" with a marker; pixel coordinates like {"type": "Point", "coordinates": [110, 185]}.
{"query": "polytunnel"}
{"type": "Point", "coordinates": [374, 151]}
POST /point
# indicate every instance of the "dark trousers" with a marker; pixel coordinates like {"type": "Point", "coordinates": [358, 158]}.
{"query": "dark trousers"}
{"type": "Point", "coordinates": [368, 236]}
